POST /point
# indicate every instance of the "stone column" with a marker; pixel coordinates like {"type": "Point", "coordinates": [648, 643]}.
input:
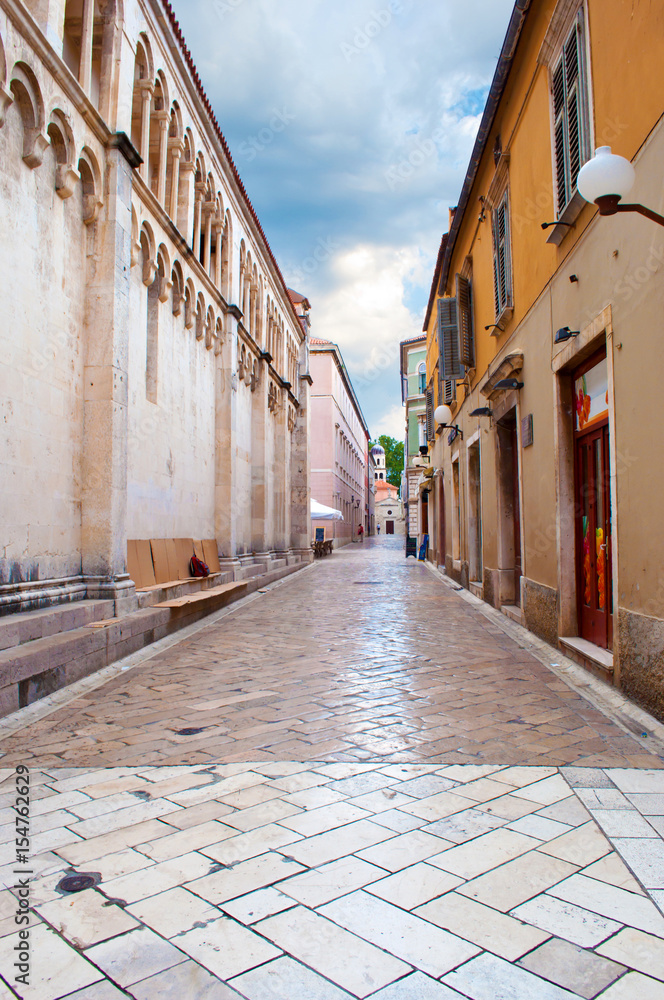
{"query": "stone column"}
{"type": "Point", "coordinates": [107, 323]}
{"type": "Point", "coordinates": [260, 535]}
{"type": "Point", "coordinates": [281, 541]}
{"type": "Point", "coordinates": [207, 245]}
{"type": "Point", "coordinates": [147, 90]}
{"type": "Point", "coordinates": [218, 234]}
{"type": "Point", "coordinates": [176, 147]}
{"type": "Point", "coordinates": [163, 118]}
{"type": "Point", "coordinates": [185, 207]}
{"type": "Point", "coordinates": [226, 514]}
{"type": "Point", "coordinates": [87, 29]}
{"type": "Point", "coordinates": [198, 208]}
{"type": "Point", "coordinates": [300, 493]}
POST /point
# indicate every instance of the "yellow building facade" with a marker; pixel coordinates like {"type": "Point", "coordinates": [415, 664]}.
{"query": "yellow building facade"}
{"type": "Point", "coordinates": [546, 344]}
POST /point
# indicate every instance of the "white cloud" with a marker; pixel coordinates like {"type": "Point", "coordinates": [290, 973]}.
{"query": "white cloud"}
{"type": "Point", "coordinates": [373, 155]}
{"type": "Point", "coordinates": [392, 422]}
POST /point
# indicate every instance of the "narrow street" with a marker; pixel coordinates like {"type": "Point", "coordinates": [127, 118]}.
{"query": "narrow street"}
{"type": "Point", "coordinates": [363, 656]}
{"type": "Point", "coordinates": [382, 794]}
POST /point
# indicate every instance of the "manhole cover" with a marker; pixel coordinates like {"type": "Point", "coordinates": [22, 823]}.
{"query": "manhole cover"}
{"type": "Point", "coordinates": [76, 883]}
{"type": "Point", "coordinates": [190, 732]}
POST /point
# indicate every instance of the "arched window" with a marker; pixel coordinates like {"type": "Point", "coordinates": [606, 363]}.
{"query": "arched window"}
{"type": "Point", "coordinates": [422, 378]}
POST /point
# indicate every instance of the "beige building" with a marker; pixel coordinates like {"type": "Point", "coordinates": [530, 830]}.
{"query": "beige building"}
{"type": "Point", "coordinates": [339, 445]}
{"type": "Point", "coordinates": [545, 343]}
{"type": "Point", "coordinates": [154, 370]}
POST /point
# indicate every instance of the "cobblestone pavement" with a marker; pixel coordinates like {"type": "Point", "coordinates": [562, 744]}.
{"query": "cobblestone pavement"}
{"type": "Point", "coordinates": [394, 800]}
{"type": "Point", "coordinates": [366, 655]}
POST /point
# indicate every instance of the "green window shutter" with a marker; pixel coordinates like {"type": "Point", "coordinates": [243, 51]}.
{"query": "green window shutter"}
{"type": "Point", "coordinates": [448, 339]}
{"type": "Point", "coordinates": [570, 118]}
{"type": "Point", "coordinates": [466, 334]}
{"type": "Point", "coordinates": [502, 277]}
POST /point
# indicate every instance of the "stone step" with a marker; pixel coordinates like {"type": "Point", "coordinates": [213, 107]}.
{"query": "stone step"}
{"type": "Point", "coordinates": [26, 626]}
{"type": "Point", "coordinates": [39, 666]}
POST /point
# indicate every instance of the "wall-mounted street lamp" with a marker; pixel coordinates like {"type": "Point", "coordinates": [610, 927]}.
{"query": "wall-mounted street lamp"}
{"type": "Point", "coordinates": [495, 326]}
{"type": "Point", "coordinates": [443, 417]}
{"type": "Point", "coordinates": [482, 411]}
{"type": "Point", "coordinates": [509, 383]}
{"type": "Point", "coordinates": [606, 179]}
{"type": "Point", "coordinates": [563, 334]}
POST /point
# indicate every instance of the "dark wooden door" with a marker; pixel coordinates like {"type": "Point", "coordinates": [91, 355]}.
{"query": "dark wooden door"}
{"type": "Point", "coordinates": [441, 523]}
{"type": "Point", "coordinates": [516, 514]}
{"type": "Point", "coordinates": [389, 527]}
{"type": "Point", "coordinates": [593, 537]}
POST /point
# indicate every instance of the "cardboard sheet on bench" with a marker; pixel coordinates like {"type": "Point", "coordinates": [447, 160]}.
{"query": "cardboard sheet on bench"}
{"type": "Point", "coordinates": [202, 595]}
{"type": "Point", "coordinates": [160, 558]}
{"type": "Point", "coordinates": [139, 562]}
{"type": "Point", "coordinates": [211, 554]}
{"type": "Point", "coordinates": [185, 550]}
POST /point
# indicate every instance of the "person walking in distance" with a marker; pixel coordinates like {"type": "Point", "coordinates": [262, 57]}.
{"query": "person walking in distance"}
{"type": "Point", "coordinates": [360, 532]}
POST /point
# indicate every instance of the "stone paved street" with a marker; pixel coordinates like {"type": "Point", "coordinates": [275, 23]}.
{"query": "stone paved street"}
{"type": "Point", "coordinates": [391, 797]}
{"type": "Point", "coordinates": [363, 656]}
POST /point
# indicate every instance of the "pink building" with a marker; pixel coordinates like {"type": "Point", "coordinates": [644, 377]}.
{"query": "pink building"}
{"type": "Point", "coordinates": [339, 444]}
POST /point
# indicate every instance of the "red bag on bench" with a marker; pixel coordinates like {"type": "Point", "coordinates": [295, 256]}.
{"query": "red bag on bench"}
{"type": "Point", "coordinates": [197, 567]}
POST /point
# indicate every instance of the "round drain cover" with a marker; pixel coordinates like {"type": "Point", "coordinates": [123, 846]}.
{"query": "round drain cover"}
{"type": "Point", "coordinates": [76, 883]}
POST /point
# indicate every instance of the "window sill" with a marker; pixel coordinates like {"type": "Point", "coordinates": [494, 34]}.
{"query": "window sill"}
{"type": "Point", "coordinates": [502, 321]}
{"type": "Point", "coordinates": [569, 216]}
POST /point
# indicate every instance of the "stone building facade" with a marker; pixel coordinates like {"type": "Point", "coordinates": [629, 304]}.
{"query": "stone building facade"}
{"type": "Point", "coordinates": [339, 444]}
{"type": "Point", "coordinates": [154, 372]}
{"type": "Point", "coordinates": [544, 342]}
{"type": "Point", "coordinates": [413, 396]}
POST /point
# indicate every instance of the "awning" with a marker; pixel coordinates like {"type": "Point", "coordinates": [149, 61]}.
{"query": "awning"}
{"type": "Point", "coordinates": [319, 512]}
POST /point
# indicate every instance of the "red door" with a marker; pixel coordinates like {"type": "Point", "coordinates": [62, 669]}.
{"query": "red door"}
{"type": "Point", "coordinates": [593, 537]}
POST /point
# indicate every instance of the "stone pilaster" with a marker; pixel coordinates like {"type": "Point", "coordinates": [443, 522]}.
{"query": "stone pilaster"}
{"type": "Point", "coordinates": [300, 492]}
{"type": "Point", "coordinates": [260, 535]}
{"type": "Point", "coordinates": [225, 519]}
{"type": "Point", "coordinates": [106, 336]}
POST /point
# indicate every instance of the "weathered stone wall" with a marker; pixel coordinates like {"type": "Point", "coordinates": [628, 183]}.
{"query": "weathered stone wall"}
{"type": "Point", "coordinates": [641, 645]}
{"type": "Point", "coordinates": [149, 367]}
{"type": "Point", "coordinates": [170, 476]}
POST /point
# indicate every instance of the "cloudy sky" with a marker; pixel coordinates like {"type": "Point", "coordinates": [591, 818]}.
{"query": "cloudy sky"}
{"type": "Point", "coordinates": [351, 123]}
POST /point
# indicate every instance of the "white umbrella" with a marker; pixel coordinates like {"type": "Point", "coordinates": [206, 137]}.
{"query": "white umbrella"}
{"type": "Point", "coordinates": [319, 512]}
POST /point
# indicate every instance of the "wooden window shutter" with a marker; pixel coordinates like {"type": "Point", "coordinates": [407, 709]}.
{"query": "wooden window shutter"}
{"type": "Point", "coordinates": [466, 334]}
{"type": "Point", "coordinates": [449, 391]}
{"type": "Point", "coordinates": [448, 339]}
{"type": "Point", "coordinates": [570, 130]}
{"type": "Point", "coordinates": [501, 257]}
{"type": "Point", "coordinates": [429, 412]}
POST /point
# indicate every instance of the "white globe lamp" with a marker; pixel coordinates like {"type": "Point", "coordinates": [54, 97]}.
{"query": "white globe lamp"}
{"type": "Point", "coordinates": [606, 179]}
{"type": "Point", "coordinates": [442, 415]}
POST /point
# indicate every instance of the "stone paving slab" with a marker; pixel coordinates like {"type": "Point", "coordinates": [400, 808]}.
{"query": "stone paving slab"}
{"type": "Point", "coordinates": [417, 811]}
{"type": "Point", "coordinates": [377, 921]}
{"type": "Point", "coordinates": [328, 667]}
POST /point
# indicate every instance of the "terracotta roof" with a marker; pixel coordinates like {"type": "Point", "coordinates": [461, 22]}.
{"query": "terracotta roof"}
{"type": "Point", "coordinates": [177, 31]}
{"type": "Point", "coordinates": [316, 340]}
{"type": "Point", "coordinates": [296, 296]}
